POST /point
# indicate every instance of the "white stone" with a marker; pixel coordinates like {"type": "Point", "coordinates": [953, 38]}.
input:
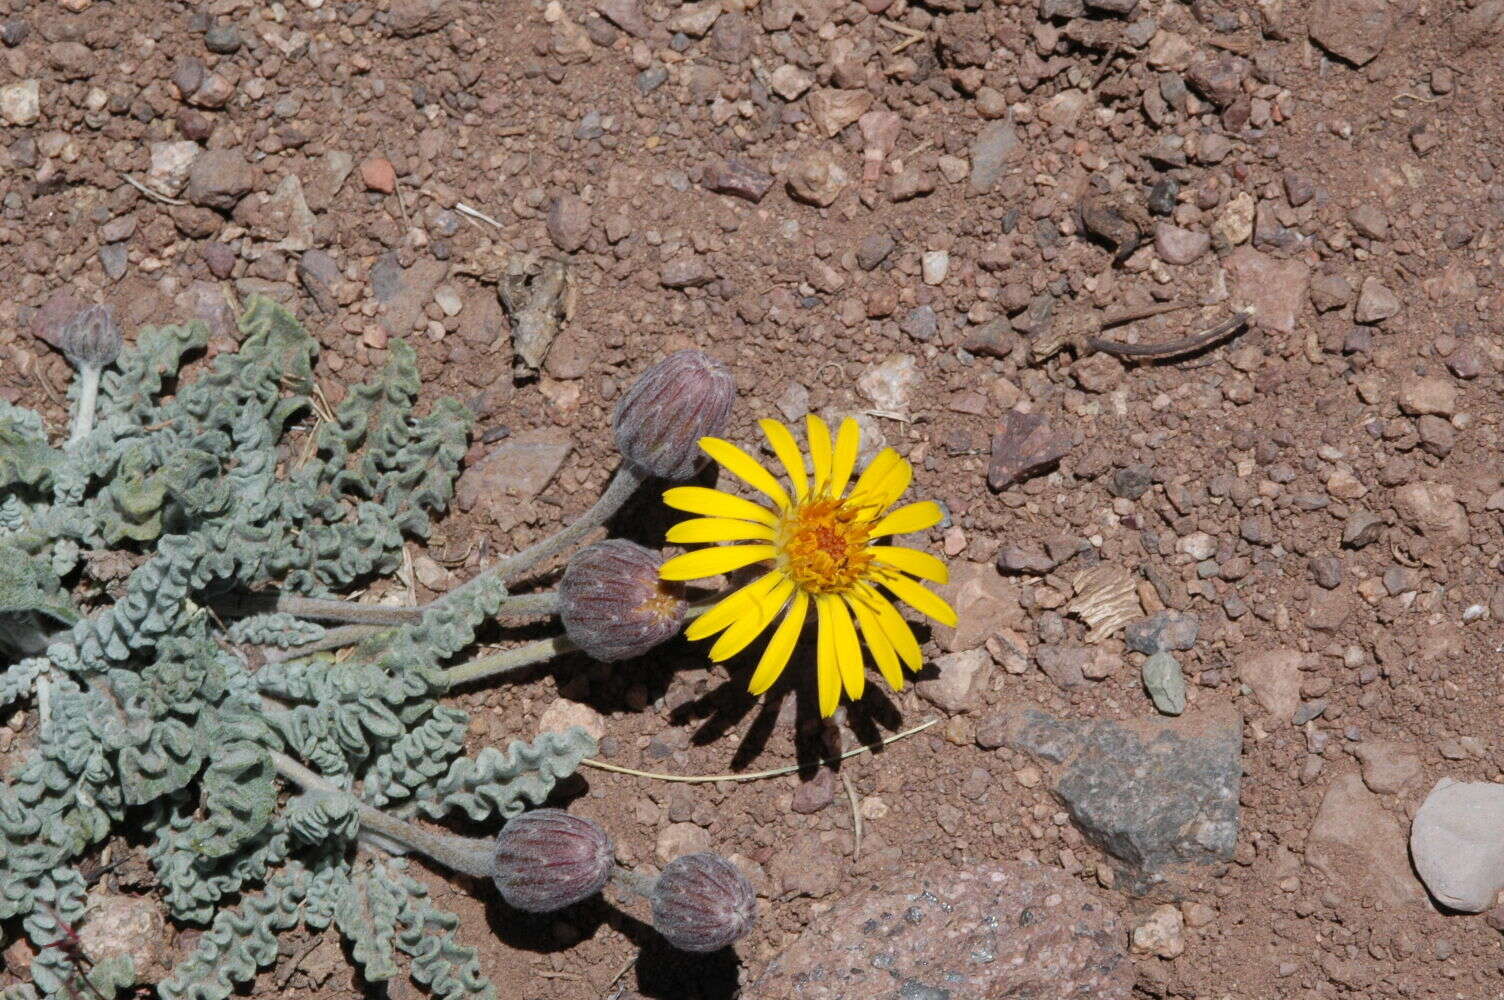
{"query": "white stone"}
{"type": "Point", "coordinates": [20, 103]}
{"type": "Point", "coordinates": [564, 713]}
{"type": "Point", "coordinates": [170, 163]}
{"type": "Point", "coordinates": [1457, 843]}
{"type": "Point", "coordinates": [1162, 933]}
{"type": "Point", "coordinates": [790, 82]}
{"type": "Point", "coordinates": [935, 265]}
{"type": "Point", "coordinates": [890, 383]}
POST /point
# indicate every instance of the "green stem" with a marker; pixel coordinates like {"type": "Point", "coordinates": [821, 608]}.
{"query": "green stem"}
{"type": "Point", "coordinates": [467, 855]}
{"type": "Point", "coordinates": [540, 651]}
{"type": "Point", "coordinates": [620, 490]}
{"type": "Point", "coordinates": [88, 396]}
{"type": "Point", "coordinates": [508, 660]}
{"type": "Point", "coordinates": [518, 605]}
{"type": "Point", "coordinates": [633, 883]}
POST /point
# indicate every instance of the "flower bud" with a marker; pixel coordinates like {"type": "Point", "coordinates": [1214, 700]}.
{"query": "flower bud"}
{"type": "Point", "coordinates": [661, 418]}
{"type": "Point", "coordinates": [703, 903]}
{"type": "Point", "coordinates": [547, 859]}
{"type": "Point", "coordinates": [91, 337]}
{"type": "Point", "coordinates": [613, 604]}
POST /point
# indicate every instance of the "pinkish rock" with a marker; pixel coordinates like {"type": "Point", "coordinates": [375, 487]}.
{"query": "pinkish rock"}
{"type": "Point", "coordinates": [569, 222]}
{"type": "Point", "coordinates": [962, 676]}
{"type": "Point", "coordinates": [1274, 289]}
{"type": "Point", "coordinates": [1359, 845]}
{"type": "Point", "coordinates": [1179, 246]}
{"type": "Point", "coordinates": [996, 930]}
{"type": "Point", "coordinates": [1274, 678]}
{"type": "Point", "coordinates": [1387, 767]}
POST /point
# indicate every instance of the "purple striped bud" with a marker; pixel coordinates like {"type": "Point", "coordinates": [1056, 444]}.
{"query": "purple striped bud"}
{"type": "Point", "coordinates": [613, 604]}
{"type": "Point", "coordinates": [547, 859]}
{"type": "Point", "coordinates": [91, 337]}
{"type": "Point", "coordinates": [703, 903]}
{"type": "Point", "coordinates": [661, 418]}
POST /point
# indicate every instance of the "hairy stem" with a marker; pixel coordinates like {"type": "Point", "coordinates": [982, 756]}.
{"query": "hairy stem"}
{"type": "Point", "coordinates": [335, 638]}
{"type": "Point", "coordinates": [318, 609]}
{"type": "Point", "coordinates": [617, 493]}
{"type": "Point", "coordinates": [633, 883]}
{"type": "Point", "coordinates": [509, 660]}
{"type": "Point", "coordinates": [88, 398]}
{"type": "Point", "coordinates": [466, 855]}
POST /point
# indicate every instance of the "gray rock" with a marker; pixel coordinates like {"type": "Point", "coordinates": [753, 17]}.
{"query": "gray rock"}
{"type": "Point", "coordinates": [994, 148]}
{"type": "Point", "coordinates": [1457, 845]}
{"type": "Point", "coordinates": [945, 933]}
{"type": "Point", "coordinates": [1025, 444]}
{"type": "Point", "coordinates": [219, 178]}
{"type": "Point", "coordinates": [318, 272]}
{"type": "Point", "coordinates": [1165, 683]}
{"type": "Point", "coordinates": [1151, 793]}
{"type": "Point", "coordinates": [1065, 665]}
{"type": "Point", "coordinates": [873, 250]}
{"type": "Point", "coordinates": [410, 18]}
{"type": "Point", "coordinates": [737, 178]}
{"type": "Point", "coordinates": [1162, 631]}
{"type": "Point", "coordinates": [920, 323]}
{"type": "Point", "coordinates": [1132, 482]}
{"type": "Point", "coordinates": [112, 257]}
{"type": "Point", "coordinates": [222, 39]}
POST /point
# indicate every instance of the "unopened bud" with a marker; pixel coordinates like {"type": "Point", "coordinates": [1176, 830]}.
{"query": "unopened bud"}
{"type": "Point", "coordinates": [661, 418]}
{"type": "Point", "coordinates": [547, 859]}
{"type": "Point", "coordinates": [703, 903]}
{"type": "Point", "coordinates": [613, 604]}
{"type": "Point", "coordinates": [91, 337]}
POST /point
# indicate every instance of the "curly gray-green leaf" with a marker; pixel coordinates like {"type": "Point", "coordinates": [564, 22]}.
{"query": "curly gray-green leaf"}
{"type": "Point", "coordinates": [501, 785]}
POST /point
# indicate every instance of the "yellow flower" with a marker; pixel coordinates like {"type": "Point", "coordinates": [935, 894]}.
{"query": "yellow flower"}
{"type": "Point", "coordinates": [818, 541]}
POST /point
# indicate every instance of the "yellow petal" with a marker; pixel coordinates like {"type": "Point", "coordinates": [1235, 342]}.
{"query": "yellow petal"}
{"type": "Point", "coordinates": [848, 649]}
{"type": "Point", "coordinates": [867, 485]}
{"type": "Point", "coordinates": [894, 484]}
{"type": "Point", "coordinates": [848, 441]}
{"type": "Point", "coordinates": [898, 631]}
{"type": "Point", "coordinates": [716, 503]}
{"type": "Point", "coordinates": [731, 607]}
{"type": "Point", "coordinates": [909, 517]}
{"type": "Point", "coordinates": [709, 562]}
{"type": "Point", "coordinates": [745, 467]}
{"type": "Point", "coordinates": [828, 676]}
{"type": "Point", "coordinates": [787, 450]}
{"type": "Point", "coordinates": [752, 624]}
{"type": "Point", "coordinates": [776, 655]}
{"type": "Point", "coordinates": [818, 432]}
{"type": "Point", "coordinates": [911, 561]}
{"type": "Point", "coordinates": [703, 530]}
{"type": "Point", "coordinates": [920, 598]}
{"type": "Point", "coordinates": [877, 641]}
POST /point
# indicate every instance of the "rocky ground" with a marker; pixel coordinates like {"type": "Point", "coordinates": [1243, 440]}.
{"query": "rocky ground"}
{"type": "Point", "coordinates": [915, 213]}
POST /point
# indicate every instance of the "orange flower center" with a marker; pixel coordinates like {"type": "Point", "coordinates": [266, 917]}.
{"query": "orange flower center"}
{"type": "Point", "coordinates": [822, 547]}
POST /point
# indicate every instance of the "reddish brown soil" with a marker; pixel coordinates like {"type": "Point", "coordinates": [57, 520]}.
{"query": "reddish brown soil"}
{"type": "Point", "coordinates": [1267, 443]}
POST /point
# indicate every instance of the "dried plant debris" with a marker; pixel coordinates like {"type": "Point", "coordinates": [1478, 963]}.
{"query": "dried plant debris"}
{"type": "Point", "coordinates": [1106, 599]}
{"type": "Point", "coordinates": [539, 296]}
